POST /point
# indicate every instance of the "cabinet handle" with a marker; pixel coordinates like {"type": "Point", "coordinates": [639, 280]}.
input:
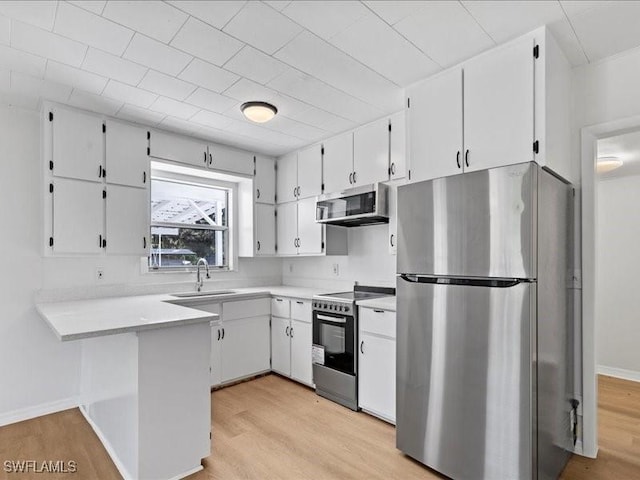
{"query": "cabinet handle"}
{"type": "Point", "coordinates": [362, 347]}
{"type": "Point", "coordinates": [278, 299]}
{"type": "Point", "coordinates": [458, 159]}
{"type": "Point", "coordinates": [391, 238]}
{"type": "Point", "coordinates": [466, 158]}
{"type": "Point", "coordinates": [100, 241]}
{"type": "Point", "coordinates": [378, 311]}
{"type": "Point", "coordinates": [100, 171]}
{"type": "Point", "coordinates": [144, 242]}
{"type": "Point", "coordinates": [223, 334]}
{"type": "Point", "coordinates": [210, 159]}
{"type": "Point", "coordinates": [354, 178]}
{"type": "Point", "coordinates": [258, 193]}
{"type": "Point", "coordinates": [298, 190]}
{"type": "Point", "coordinates": [205, 158]}
{"type": "Point", "coordinates": [258, 245]}
{"type": "Point", "coordinates": [286, 331]}
{"type": "Point", "coordinates": [144, 177]}
{"type": "Point", "coordinates": [291, 332]}
{"type": "Point", "coordinates": [218, 334]}
{"type": "Point", "coordinates": [393, 168]}
{"type": "Point", "coordinates": [294, 191]}
{"type": "Point", "coordinates": [351, 178]}
{"type": "Point", "coordinates": [299, 302]}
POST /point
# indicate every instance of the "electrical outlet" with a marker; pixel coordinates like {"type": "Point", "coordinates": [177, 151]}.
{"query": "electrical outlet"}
{"type": "Point", "coordinates": [336, 269]}
{"type": "Point", "coordinates": [99, 273]}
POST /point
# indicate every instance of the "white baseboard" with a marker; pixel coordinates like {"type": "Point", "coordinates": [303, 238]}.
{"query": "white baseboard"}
{"type": "Point", "coordinates": [38, 411]}
{"type": "Point", "coordinates": [632, 375]}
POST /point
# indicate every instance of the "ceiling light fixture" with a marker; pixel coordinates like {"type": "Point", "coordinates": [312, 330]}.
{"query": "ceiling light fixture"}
{"type": "Point", "coordinates": [607, 164]}
{"type": "Point", "coordinates": [259, 112]}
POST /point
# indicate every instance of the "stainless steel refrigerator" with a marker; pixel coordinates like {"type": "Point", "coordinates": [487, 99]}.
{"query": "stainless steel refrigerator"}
{"type": "Point", "coordinates": [482, 320]}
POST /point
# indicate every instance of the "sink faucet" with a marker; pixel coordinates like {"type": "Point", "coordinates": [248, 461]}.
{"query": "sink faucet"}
{"type": "Point", "coordinates": [199, 279]}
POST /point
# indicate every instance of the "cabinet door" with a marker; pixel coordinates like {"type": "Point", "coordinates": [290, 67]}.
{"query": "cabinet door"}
{"type": "Point", "coordinates": [216, 355]}
{"type": "Point", "coordinates": [309, 232]}
{"type": "Point", "coordinates": [337, 163]}
{"type": "Point", "coordinates": [127, 220]}
{"type": "Point", "coordinates": [77, 216]}
{"type": "Point", "coordinates": [301, 339]}
{"type": "Point", "coordinates": [310, 172]}
{"type": "Point", "coordinates": [287, 228]}
{"type": "Point", "coordinates": [264, 181]}
{"type": "Point", "coordinates": [178, 149]}
{"type": "Point", "coordinates": [371, 152]}
{"type": "Point", "coordinates": [435, 127]}
{"type": "Point", "coordinates": [246, 347]}
{"type": "Point", "coordinates": [287, 178]}
{"type": "Point", "coordinates": [280, 346]}
{"type": "Point", "coordinates": [228, 159]}
{"type": "Point", "coordinates": [265, 225]}
{"type": "Point", "coordinates": [77, 147]}
{"type": "Point", "coordinates": [397, 146]}
{"type": "Point", "coordinates": [377, 375]}
{"type": "Point", "coordinates": [127, 162]}
{"type": "Point", "coordinates": [392, 199]}
{"type": "Point", "coordinates": [499, 108]}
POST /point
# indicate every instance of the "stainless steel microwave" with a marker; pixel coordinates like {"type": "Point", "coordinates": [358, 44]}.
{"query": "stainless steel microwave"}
{"type": "Point", "coordinates": [365, 205]}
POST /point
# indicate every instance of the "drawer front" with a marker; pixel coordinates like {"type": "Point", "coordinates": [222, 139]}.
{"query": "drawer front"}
{"type": "Point", "coordinates": [246, 308]}
{"type": "Point", "coordinates": [280, 307]}
{"type": "Point", "coordinates": [301, 310]}
{"type": "Point", "coordinates": [381, 322]}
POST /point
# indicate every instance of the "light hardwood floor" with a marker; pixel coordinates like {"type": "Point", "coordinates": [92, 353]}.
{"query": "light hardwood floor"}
{"type": "Point", "coordinates": [272, 428]}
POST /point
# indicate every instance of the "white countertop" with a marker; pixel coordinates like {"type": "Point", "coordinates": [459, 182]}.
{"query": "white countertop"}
{"type": "Point", "coordinates": [382, 303]}
{"type": "Point", "coordinates": [74, 320]}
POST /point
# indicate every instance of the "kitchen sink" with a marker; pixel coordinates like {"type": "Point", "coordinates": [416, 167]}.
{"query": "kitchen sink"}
{"type": "Point", "coordinates": [202, 294]}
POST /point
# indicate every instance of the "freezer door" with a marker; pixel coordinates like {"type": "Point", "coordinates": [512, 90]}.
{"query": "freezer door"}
{"type": "Point", "coordinates": [464, 378]}
{"type": "Point", "coordinates": [479, 224]}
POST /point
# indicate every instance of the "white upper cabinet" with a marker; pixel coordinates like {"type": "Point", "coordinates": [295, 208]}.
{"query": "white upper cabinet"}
{"type": "Point", "coordinates": [264, 180]}
{"type": "Point", "coordinates": [177, 148]}
{"type": "Point", "coordinates": [310, 238]}
{"type": "Point", "coordinates": [77, 144]}
{"type": "Point", "coordinates": [435, 126]}
{"type": "Point", "coordinates": [287, 178]}
{"type": "Point", "coordinates": [265, 229]}
{"type": "Point", "coordinates": [309, 172]}
{"type": "Point", "coordinates": [397, 146]}
{"type": "Point", "coordinates": [77, 226]}
{"type": "Point", "coordinates": [499, 106]}
{"type": "Point", "coordinates": [287, 228]}
{"type": "Point", "coordinates": [338, 163]}
{"type": "Point", "coordinates": [127, 218]}
{"type": "Point", "coordinates": [229, 159]}
{"type": "Point", "coordinates": [127, 162]}
{"type": "Point", "coordinates": [371, 153]}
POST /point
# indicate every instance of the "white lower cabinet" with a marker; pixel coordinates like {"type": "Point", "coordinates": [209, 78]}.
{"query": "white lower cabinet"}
{"type": "Point", "coordinates": [291, 339]}
{"type": "Point", "coordinates": [240, 344]}
{"type": "Point", "coordinates": [281, 346]}
{"type": "Point", "coordinates": [377, 363]}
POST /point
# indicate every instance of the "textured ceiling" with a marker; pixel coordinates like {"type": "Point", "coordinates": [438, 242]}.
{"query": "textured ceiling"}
{"type": "Point", "coordinates": [328, 66]}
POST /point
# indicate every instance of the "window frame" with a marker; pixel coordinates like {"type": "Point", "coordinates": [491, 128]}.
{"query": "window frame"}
{"type": "Point", "coordinates": [191, 176]}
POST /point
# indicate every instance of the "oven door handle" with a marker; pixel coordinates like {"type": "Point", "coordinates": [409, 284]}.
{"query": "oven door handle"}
{"type": "Point", "coordinates": [331, 319]}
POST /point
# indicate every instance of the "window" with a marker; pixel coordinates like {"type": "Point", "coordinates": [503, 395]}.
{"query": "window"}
{"type": "Point", "coordinates": [189, 220]}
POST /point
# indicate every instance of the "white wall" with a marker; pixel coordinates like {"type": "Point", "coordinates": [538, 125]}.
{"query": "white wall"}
{"type": "Point", "coordinates": [617, 263]}
{"type": "Point", "coordinates": [39, 373]}
{"type": "Point", "coordinates": [368, 263]}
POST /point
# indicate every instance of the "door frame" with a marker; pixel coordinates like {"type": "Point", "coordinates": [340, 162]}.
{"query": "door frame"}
{"type": "Point", "coordinates": [589, 196]}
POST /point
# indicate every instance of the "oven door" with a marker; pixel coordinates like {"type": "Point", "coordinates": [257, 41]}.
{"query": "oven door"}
{"type": "Point", "coordinates": [335, 334]}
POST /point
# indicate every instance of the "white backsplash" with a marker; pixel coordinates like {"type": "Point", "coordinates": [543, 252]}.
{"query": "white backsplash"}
{"type": "Point", "coordinates": [368, 263]}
